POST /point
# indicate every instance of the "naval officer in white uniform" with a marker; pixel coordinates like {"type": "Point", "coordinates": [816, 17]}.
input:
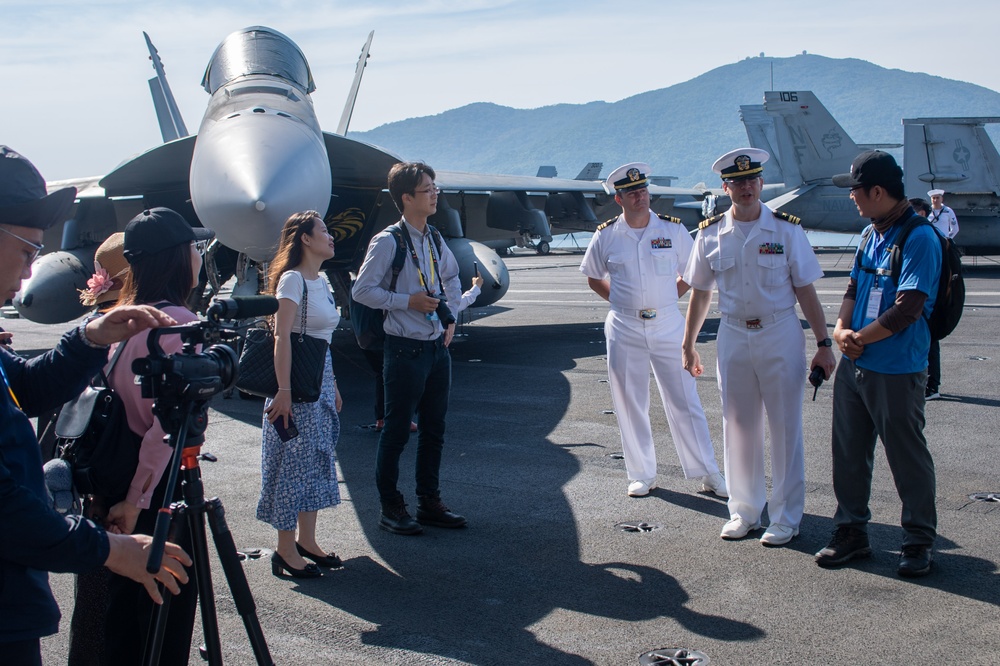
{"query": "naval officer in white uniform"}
{"type": "Point", "coordinates": [762, 263]}
{"type": "Point", "coordinates": [634, 261]}
{"type": "Point", "coordinates": [942, 216]}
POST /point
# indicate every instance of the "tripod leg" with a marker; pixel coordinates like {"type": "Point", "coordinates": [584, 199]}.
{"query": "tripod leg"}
{"type": "Point", "coordinates": [158, 621]}
{"type": "Point", "coordinates": [238, 585]}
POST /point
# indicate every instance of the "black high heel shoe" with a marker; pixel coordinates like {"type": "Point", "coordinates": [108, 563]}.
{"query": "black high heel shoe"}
{"type": "Point", "coordinates": [278, 564]}
{"type": "Point", "coordinates": [330, 561]}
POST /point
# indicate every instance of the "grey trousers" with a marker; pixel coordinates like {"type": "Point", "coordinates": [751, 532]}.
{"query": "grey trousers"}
{"type": "Point", "coordinates": [867, 404]}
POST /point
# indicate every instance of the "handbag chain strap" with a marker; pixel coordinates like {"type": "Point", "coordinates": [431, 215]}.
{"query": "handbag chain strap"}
{"type": "Point", "coordinates": [304, 308]}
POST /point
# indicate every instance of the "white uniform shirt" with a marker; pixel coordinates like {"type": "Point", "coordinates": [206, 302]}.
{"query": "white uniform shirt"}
{"type": "Point", "coordinates": [756, 274]}
{"type": "Point", "coordinates": [945, 220]}
{"type": "Point", "coordinates": [643, 264]}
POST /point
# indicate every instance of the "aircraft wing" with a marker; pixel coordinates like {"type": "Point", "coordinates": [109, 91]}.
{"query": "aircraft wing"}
{"type": "Point", "coordinates": [464, 181]}
{"type": "Point", "coordinates": [165, 167]}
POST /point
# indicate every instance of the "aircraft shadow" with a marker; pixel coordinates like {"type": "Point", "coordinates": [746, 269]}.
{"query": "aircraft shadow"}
{"type": "Point", "coordinates": [476, 594]}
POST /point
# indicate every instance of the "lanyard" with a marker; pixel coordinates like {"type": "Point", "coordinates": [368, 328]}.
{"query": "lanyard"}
{"type": "Point", "coordinates": [3, 373]}
{"type": "Point", "coordinates": [416, 262]}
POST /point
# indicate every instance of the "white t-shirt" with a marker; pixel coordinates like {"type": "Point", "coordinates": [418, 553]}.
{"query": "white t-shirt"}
{"type": "Point", "coordinates": [322, 315]}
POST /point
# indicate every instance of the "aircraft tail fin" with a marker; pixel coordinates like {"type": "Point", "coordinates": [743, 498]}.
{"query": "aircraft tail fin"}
{"type": "Point", "coordinates": [167, 114]}
{"type": "Point", "coordinates": [591, 172]}
{"type": "Point", "coordinates": [813, 146]}
{"type": "Point", "coordinates": [760, 132]}
{"type": "Point", "coordinates": [546, 172]}
{"type": "Point", "coordinates": [952, 154]}
{"type": "Point", "coordinates": [352, 96]}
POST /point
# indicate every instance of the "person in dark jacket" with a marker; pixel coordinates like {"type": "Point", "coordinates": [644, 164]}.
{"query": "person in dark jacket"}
{"type": "Point", "coordinates": [35, 539]}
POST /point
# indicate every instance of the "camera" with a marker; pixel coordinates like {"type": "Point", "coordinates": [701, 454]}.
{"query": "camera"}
{"type": "Point", "coordinates": [442, 311]}
{"type": "Point", "coordinates": [190, 377]}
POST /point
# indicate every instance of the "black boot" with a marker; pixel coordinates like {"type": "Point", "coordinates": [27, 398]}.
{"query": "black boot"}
{"type": "Point", "coordinates": [432, 511]}
{"type": "Point", "coordinates": [395, 519]}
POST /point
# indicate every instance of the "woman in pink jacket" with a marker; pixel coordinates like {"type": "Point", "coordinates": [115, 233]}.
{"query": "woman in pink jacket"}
{"type": "Point", "coordinates": [165, 256]}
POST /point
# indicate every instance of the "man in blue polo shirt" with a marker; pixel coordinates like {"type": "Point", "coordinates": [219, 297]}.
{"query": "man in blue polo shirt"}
{"type": "Point", "coordinates": [879, 387]}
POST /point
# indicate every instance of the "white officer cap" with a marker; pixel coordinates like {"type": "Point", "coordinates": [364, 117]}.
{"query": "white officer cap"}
{"type": "Point", "coordinates": [627, 177]}
{"type": "Point", "coordinates": [935, 193]}
{"type": "Point", "coordinates": [741, 163]}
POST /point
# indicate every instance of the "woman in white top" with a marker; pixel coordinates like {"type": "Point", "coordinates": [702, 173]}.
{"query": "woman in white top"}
{"type": "Point", "coordinates": [298, 475]}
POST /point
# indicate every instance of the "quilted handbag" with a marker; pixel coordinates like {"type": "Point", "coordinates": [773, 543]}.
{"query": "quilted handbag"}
{"type": "Point", "coordinates": [256, 369]}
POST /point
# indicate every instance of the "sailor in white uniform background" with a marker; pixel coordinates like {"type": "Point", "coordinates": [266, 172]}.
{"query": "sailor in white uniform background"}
{"type": "Point", "coordinates": [762, 263]}
{"type": "Point", "coordinates": [942, 216]}
{"type": "Point", "coordinates": [634, 261]}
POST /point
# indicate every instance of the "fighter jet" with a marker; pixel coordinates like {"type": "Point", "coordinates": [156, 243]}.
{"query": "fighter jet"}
{"type": "Point", "coordinates": [260, 155]}
{"type": "Point", "coordinates": [957, 156]}
{"type": "Point", "coordinates": [808, 147]}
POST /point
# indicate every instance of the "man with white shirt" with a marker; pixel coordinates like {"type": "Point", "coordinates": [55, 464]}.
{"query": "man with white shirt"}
{"type": "Point", "coordinates": [763, 263]}
{"type": "Point", "coordinates": [944, 219]}
{"type": "Point", "coordinates": [634, 261]}
{"type": "Point", "coordinates": [942, 216]}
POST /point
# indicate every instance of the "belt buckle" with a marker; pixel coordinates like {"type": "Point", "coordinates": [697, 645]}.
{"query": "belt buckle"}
{"type": "Point", "coordinates": [753, 324]}
{"type": "Point", "coordinates": [648, 313]}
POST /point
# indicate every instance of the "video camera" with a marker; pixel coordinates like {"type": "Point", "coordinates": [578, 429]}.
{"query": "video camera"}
{"type": "Point", "coordinates": [192, 377]}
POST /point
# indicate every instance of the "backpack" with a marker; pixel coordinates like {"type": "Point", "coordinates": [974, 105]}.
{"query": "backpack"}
{"type": "Point", "coordinates": [368, 322]}
{"type": "Point", "coordinates": [93, 436]}
{"type": "Point", "coordinates": [950, 300]}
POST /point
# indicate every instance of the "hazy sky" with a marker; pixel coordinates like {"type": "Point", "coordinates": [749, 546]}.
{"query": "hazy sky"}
{"type": "Point", "coordinates": [74, 74]}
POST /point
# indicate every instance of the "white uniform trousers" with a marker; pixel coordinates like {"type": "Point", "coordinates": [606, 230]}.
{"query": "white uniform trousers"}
{"type": "Point", "coordinates": [633, 345]}
{"type": "Point", "coordinates": [763, 370]}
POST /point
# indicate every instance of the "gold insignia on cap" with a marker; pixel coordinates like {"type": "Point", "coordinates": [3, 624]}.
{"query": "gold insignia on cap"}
{"type": "Point", "coordinates": [633, 174]}
{"type": "Point", "coordinates": [742, 162]}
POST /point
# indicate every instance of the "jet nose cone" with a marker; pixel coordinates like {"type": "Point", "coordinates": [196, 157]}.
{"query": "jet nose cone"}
{"type": "Point", "coordinates": [250, 172]}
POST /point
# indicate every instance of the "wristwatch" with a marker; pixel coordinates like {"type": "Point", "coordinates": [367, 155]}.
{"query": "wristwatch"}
{"type": "Point", "coordinates": [825, 342]}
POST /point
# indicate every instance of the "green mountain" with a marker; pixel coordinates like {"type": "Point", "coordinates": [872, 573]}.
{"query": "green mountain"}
{"type": "Point", "coordinates": [679, 130]}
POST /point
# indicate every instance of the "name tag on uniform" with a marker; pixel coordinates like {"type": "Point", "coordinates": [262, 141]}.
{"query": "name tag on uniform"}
{"type": "Point", "coordinates": [771, 248]}
{"type": "Point", "coordinates": [661, 243]}
{"type": "Point", "coordinates": [874, 304]}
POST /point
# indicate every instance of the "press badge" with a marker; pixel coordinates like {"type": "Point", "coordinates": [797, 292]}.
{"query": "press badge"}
{"type": "Point", "coordinates": [874, 303]}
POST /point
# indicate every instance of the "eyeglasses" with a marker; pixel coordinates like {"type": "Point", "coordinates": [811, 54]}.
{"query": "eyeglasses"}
{"type": "Point", "coordinates": [431, 190]}
{"type": "Point", "coordinates": [201, 246]}
{"type": "Point", "coordinates": [38, 247]}
{"type": "Point", "coordinates": [739, 182]}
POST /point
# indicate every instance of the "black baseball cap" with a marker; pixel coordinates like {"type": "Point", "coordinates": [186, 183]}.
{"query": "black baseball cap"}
{"type": "Point", "coordinates": [870, 168]}
{"type": "Point", "coordinates": [157, 229]}
{"type": "Point", "coordinates": [23, 198]}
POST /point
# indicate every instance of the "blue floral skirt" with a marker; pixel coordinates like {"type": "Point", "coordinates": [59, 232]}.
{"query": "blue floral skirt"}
{"type": "Point", "coordinates": [301, 474]}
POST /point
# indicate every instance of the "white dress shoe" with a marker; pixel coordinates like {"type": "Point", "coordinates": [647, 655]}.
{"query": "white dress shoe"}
{"type": "Point", "coordinates": [737, 528]}
{"type": "Point", "coordinates": [714, 483]}
{"type": "Point", "coordinates": [641, 487]}
{"type": "Point", "coordinates": [778, 535]}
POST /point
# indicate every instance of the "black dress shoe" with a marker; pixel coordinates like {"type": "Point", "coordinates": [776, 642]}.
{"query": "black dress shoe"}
{"type": "Point", "coordinates": [395, 519]}
{"type": "Point", "coordinates": [278, 564]}
{"type": "Point", "coordinates": [330, 561]}
{"type": "Point", "coordinates": [915, 561]}
{"type": "Point", "coordinates": [432, 511]}
{"type": "Point", "coordinates": [848, 543]}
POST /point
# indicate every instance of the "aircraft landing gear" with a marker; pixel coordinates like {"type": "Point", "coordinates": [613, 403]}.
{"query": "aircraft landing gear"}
{"type": "Point", "coordinates": [542, 248]}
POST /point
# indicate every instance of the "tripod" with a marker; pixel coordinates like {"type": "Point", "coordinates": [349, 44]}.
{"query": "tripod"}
{"type": "Point", "coordinates": [190, 514]}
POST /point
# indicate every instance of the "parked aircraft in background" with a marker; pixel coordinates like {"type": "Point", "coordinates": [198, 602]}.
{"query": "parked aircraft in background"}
{"type": "Point", "coordinates": [957, 156]}
{"type": "Point", "coordinates": [261, 155]}
{"type": "Point", "coordinates": [808, 147]}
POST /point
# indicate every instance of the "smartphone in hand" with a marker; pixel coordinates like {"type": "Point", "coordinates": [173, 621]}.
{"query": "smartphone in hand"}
{"type": "Point", "coordinates": [475, 269]}
{"type": "Point", "coordinates": [285, 433]}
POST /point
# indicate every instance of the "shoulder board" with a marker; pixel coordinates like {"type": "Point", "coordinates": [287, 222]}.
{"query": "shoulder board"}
{"type": "Point", "coordinates": [787, 218]}
{"type": "Point", "coordinates": [607, 224]}
{"type": "Point", "coordinates": [668, 218]}
{"type": "Point", "coordinates": [706, 223]}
